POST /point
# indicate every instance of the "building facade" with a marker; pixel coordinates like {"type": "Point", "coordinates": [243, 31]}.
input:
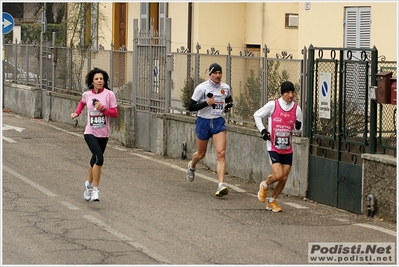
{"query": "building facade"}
{"type": "Point", "coordinates": [282, 26]}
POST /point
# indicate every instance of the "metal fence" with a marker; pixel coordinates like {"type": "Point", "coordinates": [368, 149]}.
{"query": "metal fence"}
{"type": "Point", "coordinates": [386, 114]}
{"type": "Point", "coordinates": [254, 79]}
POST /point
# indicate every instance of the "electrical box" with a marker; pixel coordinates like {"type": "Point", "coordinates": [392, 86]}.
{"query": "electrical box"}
{"type": "Point", "coordinates": [393, 91]}
{"type": "Point", "coordinates": [384, 87]}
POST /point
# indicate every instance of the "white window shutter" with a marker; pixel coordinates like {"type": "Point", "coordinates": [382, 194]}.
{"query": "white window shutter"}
{"type": "Point", "coordinates": [350, 27]}
{"type": "Point", "coordinates": [357, 27]}
{"type": "Point", "coordinates": [162, 17]}
{"type": "Point", "coordinates": [364, 27]}
{"type": "Point", "coordinates": [144, 16]}
{"type": "Point", "coordinates": [357, 35]}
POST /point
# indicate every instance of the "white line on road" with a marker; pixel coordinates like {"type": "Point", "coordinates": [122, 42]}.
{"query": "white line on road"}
{"type": "Point", "coordinates": [126, 239]}
{"type": "Point", "coordinates": [28, 181]}
{"type": "Point", "coordinates": [69, 205]}
{"type": "Point", "coordinates": [9, 140]}
{"type": "Point", "coordinates": [10, 127]}
{"type": "Point", "coordinates": [62, 130]}
{"type": "Point", "coordinates": [377, 228]}
{"type": "Point", "coordinates": [295, 205]}
{"type": "Point", "coordinates": [387, 231]}
{"type": "Point", "coordinates": [185, 170]}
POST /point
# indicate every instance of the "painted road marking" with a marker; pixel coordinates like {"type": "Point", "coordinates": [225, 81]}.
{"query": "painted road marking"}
{"type": "Point", "coordinates": [387, 231]}
{"type": "Point", "coordinates": [9, 127]}
{"type": "Point", "coordinates": [69, 205]}
{"type": "Point", "coordinates": [9, 140]}
{"type": "Point", "coordinates": [185, 170]}
{"type": "Point", "coordinates": [126, 239]}
{"type": "Point", "coordinates": [28, 181]}
{"type": "Point", "coordinates": [295, 205]}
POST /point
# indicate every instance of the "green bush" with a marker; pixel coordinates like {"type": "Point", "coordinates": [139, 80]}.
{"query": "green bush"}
{"type": "Point", "coordinates": [30, 32]}
{"type": "Point", "coordinates": [188, 91]}
{"type": "Point", "coordinates": [250, 100]}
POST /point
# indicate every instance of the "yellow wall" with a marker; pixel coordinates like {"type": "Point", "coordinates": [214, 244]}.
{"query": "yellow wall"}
{"type": "Point", "coordinates": [133, 12]}
{"type": "Point", "coordinates": [179, 14]}
{"type": "Point", "coordinates": [322, 26]}
{"type": "Point", "coordinates": [216, 24]}
{"type": "Point", "coordinates": [276, 36]}
{"type": "Point", "coordinates": [105, 29]}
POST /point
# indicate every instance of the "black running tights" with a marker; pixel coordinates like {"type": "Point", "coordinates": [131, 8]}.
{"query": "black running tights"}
{"type": "Point", "coordinates": [97, 147]}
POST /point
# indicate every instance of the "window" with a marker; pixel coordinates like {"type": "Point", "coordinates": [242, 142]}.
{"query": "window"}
{"type": "Point", "coordinates": [357, 27]}
{"type": "Point", "coordinates": [357, 35]}
{"type": "Point", "coordinates": [291, 21]}
{"type": "Point", "coordinates": [153, 14]}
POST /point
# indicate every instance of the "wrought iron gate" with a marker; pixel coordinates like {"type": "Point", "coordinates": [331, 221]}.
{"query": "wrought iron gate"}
{"type": "Point", "coordinates": [151, 90]}
{"type": "Point", "coordinates": [339, 115]}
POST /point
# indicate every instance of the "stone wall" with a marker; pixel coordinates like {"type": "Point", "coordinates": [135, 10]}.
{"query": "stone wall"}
{"type": "Point", "coordinates": [379, 179]}
{"type": "Point", "coordinates": [246, 151]}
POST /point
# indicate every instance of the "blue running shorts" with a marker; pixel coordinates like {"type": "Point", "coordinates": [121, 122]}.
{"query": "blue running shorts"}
{"type": "Point", "coordinates": [205, 128]}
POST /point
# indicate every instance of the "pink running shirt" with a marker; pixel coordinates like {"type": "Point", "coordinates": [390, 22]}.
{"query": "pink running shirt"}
{"type": "Point", "coordinates": [283, 122]}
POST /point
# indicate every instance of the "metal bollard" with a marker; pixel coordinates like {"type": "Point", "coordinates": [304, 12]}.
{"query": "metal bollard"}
{"type": "Point", "coordinates": [184, 151]}
{"type": "Point", "coordinates": [370, 205]}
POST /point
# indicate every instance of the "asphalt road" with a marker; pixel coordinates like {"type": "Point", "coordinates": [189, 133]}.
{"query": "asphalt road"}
{"type": "Point", "coordinates": [148, 212]}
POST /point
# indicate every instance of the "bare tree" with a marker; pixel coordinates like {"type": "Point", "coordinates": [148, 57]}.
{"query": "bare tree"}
{"type": "Point", "coordinates": [55, 12]}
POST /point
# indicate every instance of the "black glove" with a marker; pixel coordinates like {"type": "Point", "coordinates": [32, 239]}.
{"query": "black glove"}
{"type": "Point", "coordinates": [298, 125]}
{"type": "Point", "coordinates": [211, 95]}
{"type": "Point", "coordinates": [265, 135]}
{"type": "Point", "coordinates": [226, 108]}
{"type": "Point", "coordinates": [95, 100]}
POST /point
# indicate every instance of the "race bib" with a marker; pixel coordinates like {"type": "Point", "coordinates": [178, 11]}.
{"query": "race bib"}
{"type": "Point", "coordinates": [97, 119]}
{"type": "Point", "coordinates": [282, 140]}
{"type": "Point", "coordinates": [219, 106]}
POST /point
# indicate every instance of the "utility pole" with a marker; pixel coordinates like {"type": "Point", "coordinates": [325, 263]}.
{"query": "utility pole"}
{"type": "Point", "coordinates": [44, 18]}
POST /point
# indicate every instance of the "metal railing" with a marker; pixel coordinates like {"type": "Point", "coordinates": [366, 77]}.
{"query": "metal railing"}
{"type": "Point", "coordinates": [254, 79]}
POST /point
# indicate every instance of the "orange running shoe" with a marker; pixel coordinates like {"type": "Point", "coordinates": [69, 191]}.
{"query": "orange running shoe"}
{"type": "Point", "coordinates": [262, 193]}
{"type": "Point", "coordinates": [273, 206]}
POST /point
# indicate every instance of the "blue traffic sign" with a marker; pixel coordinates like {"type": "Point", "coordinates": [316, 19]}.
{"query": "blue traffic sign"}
{"type": "Point", "coordinates": [8, 23]}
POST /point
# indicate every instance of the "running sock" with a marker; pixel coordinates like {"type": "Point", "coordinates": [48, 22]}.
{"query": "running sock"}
{"type": "Point", "coordinates": [191, 168]}
{"type": "Point", "coordinates": [220, 184]}
{"type": "Point", "coordinates": [95, 188]}
{"type": "Point", "coordinates": [264, 184]}
{"type": "Point", "coordinates": [271, 199]}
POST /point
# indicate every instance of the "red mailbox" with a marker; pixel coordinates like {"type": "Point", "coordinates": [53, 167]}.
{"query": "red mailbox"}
{"type": "Point", "coordinates": [383, 92]}
{"type": "Point", "coordinates": [393, 91]}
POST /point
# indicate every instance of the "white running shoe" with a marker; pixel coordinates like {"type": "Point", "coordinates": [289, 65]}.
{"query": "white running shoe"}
{"type": "Point", "coordinates": [88, 190]}
{"type": "Point", "coordinates": [190, 173]}
{"type": "Point", "coordinates": [222, 191]}
{"type": "Point", "coordinates": [95, 195]}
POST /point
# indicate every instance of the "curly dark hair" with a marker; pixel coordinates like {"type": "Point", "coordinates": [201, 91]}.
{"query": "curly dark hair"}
{"type": "Point", "coordinates": [90, 76]}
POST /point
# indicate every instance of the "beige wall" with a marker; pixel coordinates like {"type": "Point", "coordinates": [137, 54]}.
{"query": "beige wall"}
{"type": "Point", "coordinates": [276, 36]}
{"type": "Point", "coordinates": [105, 29]}
{"type": "Point", "coordinates": [266, 26]}
{"type": "Point", "coordinates": [133, 12]}
{"type": "Point", "coordinates": [384, 29]}
{"type": "Point", "coordinates": [322, 26]}
{"type": "Point", "coordinates": [216, 24]}
{"type": "Point", "coordinates": [179, 14]}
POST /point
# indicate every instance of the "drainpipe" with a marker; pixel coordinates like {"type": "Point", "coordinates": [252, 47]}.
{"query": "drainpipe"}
{"type": "Point", "coordinates": [189, 32]}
